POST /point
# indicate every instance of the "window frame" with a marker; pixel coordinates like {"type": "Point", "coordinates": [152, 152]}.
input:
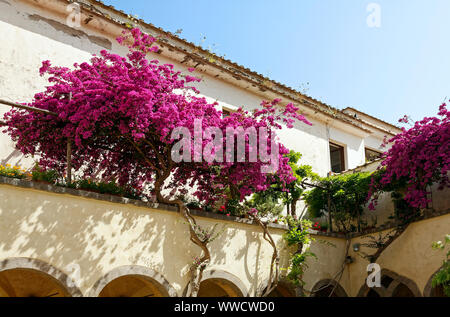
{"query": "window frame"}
{"type": "Point", "coordinates": [341, 148]}
{"type": "Point", "coordinates": [371, 150]}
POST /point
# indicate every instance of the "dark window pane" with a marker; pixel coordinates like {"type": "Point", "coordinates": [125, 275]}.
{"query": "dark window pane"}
{"type": "Point", "coordinates": [372, 155]}
{"type": "Point", "coordinates": [225, 113]}
{"type": "Point", "coordinates": [337, 158]}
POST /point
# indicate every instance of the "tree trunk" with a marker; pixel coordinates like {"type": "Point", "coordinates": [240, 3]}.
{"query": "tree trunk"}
{"type": "Point", "coordinates": [294, 207]}
{"type": "Point", "coordinates": [274, 263]}
{"type": "Point", "coordinates": [196, 269]}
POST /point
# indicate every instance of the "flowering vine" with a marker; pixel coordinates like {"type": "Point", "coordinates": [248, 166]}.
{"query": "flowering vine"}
{"type": "Point", "coordinates": [119, 112]}
{"type": "Point", "coordinates": [419, 156]}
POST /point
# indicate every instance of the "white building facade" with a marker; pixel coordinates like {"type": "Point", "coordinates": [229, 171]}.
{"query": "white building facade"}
{"type": "Point", "coordinates": [33, 31]}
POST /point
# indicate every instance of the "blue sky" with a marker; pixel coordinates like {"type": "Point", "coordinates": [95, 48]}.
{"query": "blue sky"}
{"type": "Point", "coordinates": [401, 67]}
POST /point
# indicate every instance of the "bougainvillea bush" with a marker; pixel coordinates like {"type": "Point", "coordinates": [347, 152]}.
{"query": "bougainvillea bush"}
{"type": "Point", "coordinates": [419, 156]}
{"type": "Point", "coordinates": [120, 111]}
{"type": "Point", "coordinates": [119, 114]}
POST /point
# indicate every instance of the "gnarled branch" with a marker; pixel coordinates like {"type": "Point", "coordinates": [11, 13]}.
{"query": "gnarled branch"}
{"type": "Point", "coordinates": [275, 261]}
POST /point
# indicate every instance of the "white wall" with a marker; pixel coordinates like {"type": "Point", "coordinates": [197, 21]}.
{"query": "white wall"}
{"type": "Point", "coordinates": [34, 36]}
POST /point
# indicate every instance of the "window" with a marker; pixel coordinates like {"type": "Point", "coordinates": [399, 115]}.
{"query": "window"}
{"type": "Point", "coordinates": [337, 158]}
{"type": "Point", "coordinates": [372, 155]}
{"type": "Point", "coordinates": [226, 112]}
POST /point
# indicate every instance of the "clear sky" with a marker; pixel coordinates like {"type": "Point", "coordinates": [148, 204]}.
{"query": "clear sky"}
{"type": "Point", "coordinates": [401, 67]}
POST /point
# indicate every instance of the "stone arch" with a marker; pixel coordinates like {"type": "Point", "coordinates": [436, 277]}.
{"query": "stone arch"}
{"type": "Point", "coordinates": [218, 283]}
{"type": "Point", "coordinates": [429, 291]}
{"type": "Point", "coordinates": [284, 289]}
{"type": "Point", "coordinates": [324, 287]}
{"type": "Point", "coordinates": [31, 277]}
{"type": "Point", "coordinates": [392, 285]}
{"type": "Point", "coordinates": [115, 282]}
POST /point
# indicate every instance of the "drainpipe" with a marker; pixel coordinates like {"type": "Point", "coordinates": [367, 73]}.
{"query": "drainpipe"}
{"type": "Point", "coordinates": [328, 191]}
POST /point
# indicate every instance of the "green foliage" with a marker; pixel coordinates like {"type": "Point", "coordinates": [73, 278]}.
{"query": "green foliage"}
{"type": "Point", "coordinates": [267, 206]}
{"type": "Point", "coordinates": [289, 198]}
{"type": "Point", "coordinates": [48, 176]}
{"type": "Point", "coordinates": [12, 171]}
{"type": "Point", "coordinates": [110, 188]}
{"type": "Point", "coordinates": [193, 204]}
{"type": "Point", "coordinates": [298, 235]}
{"type": "Point", "coordinates": [298, 267]}
{"type": "Point", "coordinates": [301, 172]}
{"type": "Point", "coordinates": [348, 193]}
{"type": "Point", "coordinates": [443, 276]}
{"type": "Point", "coordinates": [298, 232]}
{"type": "Point", "coordinates": [404, 212]}
{"type": "Point", "coordinates": [234, 208]}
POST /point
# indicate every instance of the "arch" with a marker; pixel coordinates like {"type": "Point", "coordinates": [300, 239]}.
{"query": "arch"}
{"type": "Point", "coordinates": [218, 283]}
{"type": "Point", "coordinates": [324, 287]}
{"type": "Point", "coordinates": [28, 277]}
{"type": "Point", "coordinates": [373, 293]}
{"type": "Point", "coordinates": [124, 281]}
{"type": "Point", "coordinates": [284, 289]}
{"type": "Point", "coordinates": [392, 285]}
{"type": "Point", "coordinates": [430, 291]}
{"type": "Point", "coordinates": [401, 290]}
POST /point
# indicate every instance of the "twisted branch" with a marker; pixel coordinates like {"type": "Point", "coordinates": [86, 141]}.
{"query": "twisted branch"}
{"type": "Point", "coordinates": [196, 270]}
{"type": "Point", "coordinates": [275, 261]}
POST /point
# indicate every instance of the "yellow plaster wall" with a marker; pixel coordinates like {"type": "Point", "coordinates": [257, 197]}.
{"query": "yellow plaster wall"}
{"type": "Point", "coordinates": [64, 230]}
{"type": "Point", "coordinates": [410, 256]}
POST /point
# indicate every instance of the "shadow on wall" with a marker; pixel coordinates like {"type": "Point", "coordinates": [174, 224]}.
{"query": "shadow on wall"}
{"type": "Point", "coordinates": [328, 288]}
{"type": "Point", "coordinates": [24, 17]}
{"type": "Point", "coordinates": [95, 237]}
{"type": "Point", "coordinates": [25, 277]}
{"type": "Point", "coordinates": [392, 285]}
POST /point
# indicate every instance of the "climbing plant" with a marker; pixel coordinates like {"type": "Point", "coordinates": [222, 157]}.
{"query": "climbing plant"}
{"type": "Point", "coordinates": [419, 156]}
{"type": "Point", "coordinates": [123, 118]}
{"type": "Point", "coordinates": [298, 235]}
{"type": "Point", "coordinates": [442, 277]}
{"type": "Point", "coordinates": [286, 195]}
{"type": "Point", "coordinates": [345, 195]}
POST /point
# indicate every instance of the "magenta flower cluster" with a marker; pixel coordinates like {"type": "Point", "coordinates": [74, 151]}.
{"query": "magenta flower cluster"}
{"type": "Point", "coordinates": [119, 112]}
{"type": "Point", "coordinates": [421, 155]}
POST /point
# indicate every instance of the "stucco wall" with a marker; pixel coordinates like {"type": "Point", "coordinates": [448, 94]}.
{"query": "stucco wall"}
{"type": "Point", "coordinates": [103, 237]}
{"type": "Point", "coordinates": [330, 254]}
{"type": "Point", "coordinates": [62, 230]}
{"type": "Point", "coordinates": [33, 35]}
{"type": "Point", "coordinates": [410, 256]}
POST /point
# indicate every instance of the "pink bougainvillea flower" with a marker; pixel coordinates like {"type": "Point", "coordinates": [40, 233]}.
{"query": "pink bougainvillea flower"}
{"type": "Point", "coordinates": [420, 156]}
{"type": "Point", "coordinates": [119, 113]}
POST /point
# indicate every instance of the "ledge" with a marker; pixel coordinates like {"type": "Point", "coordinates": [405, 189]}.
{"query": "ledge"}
{"type": "Point", "coordinates": [122, 200]}
{"type": "Point", "coordinates": [427, 214]}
